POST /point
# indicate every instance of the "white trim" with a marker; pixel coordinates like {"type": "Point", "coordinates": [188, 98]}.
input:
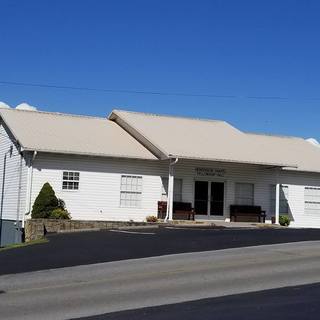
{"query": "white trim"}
{"type": "Point", "coordinates": [210, 181]}
{"type": "Point", "coordinates": [27, 211]}
{"type": "Point", "coordinates": [277, 203]}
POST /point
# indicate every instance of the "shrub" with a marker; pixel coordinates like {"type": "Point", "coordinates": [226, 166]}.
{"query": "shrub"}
{"type": "Point", "coordinates": [59, 214]}
{"type": "Point", "coordinates": [151, 219]}
{"type": "Point", "coordinates": [45, 202]}
{"type": "Point", "coordinates": [284, 220]}
{"type": "Point", "coordinates": [61, 204]}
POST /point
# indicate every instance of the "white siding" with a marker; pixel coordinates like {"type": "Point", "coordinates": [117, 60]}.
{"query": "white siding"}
{"type": "Point", "coordinates": [98, 197]}
{"type": "Point", "coordinates": [297, 181]}
{"type": "Point", "coordinates": [260, 177]}
{"type": "Point", "coordinates": [11, 185]}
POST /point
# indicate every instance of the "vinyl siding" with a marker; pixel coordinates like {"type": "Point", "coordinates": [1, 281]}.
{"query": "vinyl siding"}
{"type": "Point", "coordinates": [297, 181]}
{"type": "Point", "coordinates": [11, 185]}
{"type": "Point", "coordinates": [98, 197]}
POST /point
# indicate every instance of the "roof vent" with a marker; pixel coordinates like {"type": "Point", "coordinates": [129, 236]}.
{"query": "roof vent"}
{"type": "Point", "coordinates": [25, 106]}
{"type": "Point", "coordinates": [314, 141]}
{"type": "Point", "coordinates": [4, 105]}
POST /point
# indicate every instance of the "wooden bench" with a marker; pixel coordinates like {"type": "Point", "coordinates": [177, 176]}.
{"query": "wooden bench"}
{"type": "Point", "coordinates": [243, 213]}
{"type": "Point", "coordinates": [181, 210]}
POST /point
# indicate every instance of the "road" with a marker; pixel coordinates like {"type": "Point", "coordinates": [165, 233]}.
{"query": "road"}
{"type": "Point", "coordinates": [95, 289]}
{"type": "Point", "coordinates": [290, 303]}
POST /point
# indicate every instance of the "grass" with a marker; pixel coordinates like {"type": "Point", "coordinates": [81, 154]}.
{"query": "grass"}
{"type": "Point", "coordinates": [24, 244]}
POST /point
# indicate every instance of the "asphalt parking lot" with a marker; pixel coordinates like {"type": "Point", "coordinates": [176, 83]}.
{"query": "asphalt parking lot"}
{"type": "Point", "coordinates": [64, 250]}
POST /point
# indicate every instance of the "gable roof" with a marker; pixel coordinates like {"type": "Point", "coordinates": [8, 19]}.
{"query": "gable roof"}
{"type": "Point", "coordinates": [218, 141]}
{"type": "Point", "coordinates": [62, 133]}
{"type": "Point", "coordinates": [148, 136]}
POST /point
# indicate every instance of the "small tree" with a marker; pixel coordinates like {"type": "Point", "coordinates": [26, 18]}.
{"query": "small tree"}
{"type": "Point", "coordinates": [45, 202]}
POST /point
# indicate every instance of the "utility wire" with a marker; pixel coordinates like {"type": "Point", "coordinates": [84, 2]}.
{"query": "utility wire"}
{"type": "Point", "coordinates": [159, 93]}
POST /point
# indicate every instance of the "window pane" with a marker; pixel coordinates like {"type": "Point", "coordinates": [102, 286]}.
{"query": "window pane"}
{"type": "Point", "coordinates": [130, 191]}
{"type": "Point", "coordinates": [244, 194]}
{"type": "Point", "coordinates": [68, 180]}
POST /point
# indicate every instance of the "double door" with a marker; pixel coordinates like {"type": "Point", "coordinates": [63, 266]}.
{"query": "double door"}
{"type": "Point", "coordinates": [209, 198]}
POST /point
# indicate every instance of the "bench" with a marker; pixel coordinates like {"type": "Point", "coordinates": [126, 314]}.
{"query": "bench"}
{"type": "Point", "coordinates": [245, 213]}
{"type": "Point", "coordinates": [181, 210]}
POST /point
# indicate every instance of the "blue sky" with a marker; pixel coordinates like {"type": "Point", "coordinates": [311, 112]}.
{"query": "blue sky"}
{"type": "Point", "coordinates": [238, 48]}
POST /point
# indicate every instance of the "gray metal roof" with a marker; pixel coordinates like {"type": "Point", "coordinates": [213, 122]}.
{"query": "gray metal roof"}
{"type": "Point", "coordinates": [217, 140]}
{"type": "Point", "coordinates": [166, 136]}
{"type": "Point", "coordinates": [62, 133]}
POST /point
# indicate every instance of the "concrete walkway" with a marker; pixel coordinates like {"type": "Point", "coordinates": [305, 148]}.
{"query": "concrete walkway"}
{"type": "Point", "coordinates": [224, 224]}
{"type": "Point", "coordinates": [107, 287]}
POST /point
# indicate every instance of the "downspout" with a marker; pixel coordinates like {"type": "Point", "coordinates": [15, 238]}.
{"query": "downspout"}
{"type": "Point", "coordinates": [29, 187]}
{"type": "Point", "coordinates": [278, 186]}
{"type": "Point", "coordinates": [18, 226]}
{"type": "Point", "coordinates": [170, 190]}
{"type": "Point", "coordinates": [3, 187]}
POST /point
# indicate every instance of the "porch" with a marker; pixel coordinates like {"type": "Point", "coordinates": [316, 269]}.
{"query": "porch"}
{"type": "Point", "coordinates": [219, 191]}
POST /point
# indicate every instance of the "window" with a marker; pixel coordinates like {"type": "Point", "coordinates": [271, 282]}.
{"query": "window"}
{"type": "Point", "coordinates": [284, 197]}
{"type": "Point", "coordinates": [177, 190]}
{"type": "Point", "coordinates": [311, 200]}
{"type": "Point", "coordinates": [130, 191]}
{"type": "Point", "coordinates": [244, 194]}
{"type": "Point", "coordinates": [70, 180]}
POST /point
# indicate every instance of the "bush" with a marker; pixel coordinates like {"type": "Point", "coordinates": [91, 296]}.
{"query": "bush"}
{"type": "Point", "coordinates": [61, 204]}
{"type": "Point", "coordinates": [59, 214]}
{"type": "Point", "coordinates": [151, 219]}
{"type": "Point", "coordinates": [45, 202]}
{"type": "Point", "coordinates": [284, 220]}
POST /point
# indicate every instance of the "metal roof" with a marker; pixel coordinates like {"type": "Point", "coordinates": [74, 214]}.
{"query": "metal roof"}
{"type": "Point", "coordinates": [219, 141]}
{"type": "Point", "coordinates": [62, 133]}
{"type": "Point", "coordinates": [187, 138]}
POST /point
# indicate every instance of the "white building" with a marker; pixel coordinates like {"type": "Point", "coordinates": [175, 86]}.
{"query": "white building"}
{"type": "Point", "coordinates": [117, 168]}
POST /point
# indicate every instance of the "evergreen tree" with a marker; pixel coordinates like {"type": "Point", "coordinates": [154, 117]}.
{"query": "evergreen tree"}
{"type": "Point", "coordinates": [45, 202]}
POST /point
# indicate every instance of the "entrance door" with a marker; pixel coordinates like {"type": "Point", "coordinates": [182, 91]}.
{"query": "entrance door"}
{"type": "Point", "coordinates": [209, 198]}
{"type": "Point", "coordinates": [217, 199]}
{"type": "Point", "coordinates": [201, 197]}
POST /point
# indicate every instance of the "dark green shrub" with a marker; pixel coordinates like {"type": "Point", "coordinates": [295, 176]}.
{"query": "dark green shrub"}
{"type": "Point", "coordinates": [284, 220]}
{"type": "Point", "coordinates": [59, 214]}
{"type": "Point", "coordinates": [61, 204]}
{"type": "Point", "coordinates": [45, 202]}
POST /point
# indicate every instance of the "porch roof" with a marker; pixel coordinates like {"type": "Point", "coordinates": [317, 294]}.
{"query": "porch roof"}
{"type": "Point", "coordinates": [213, 140]}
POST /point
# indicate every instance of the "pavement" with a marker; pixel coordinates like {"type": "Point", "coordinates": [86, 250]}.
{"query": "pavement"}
{"type": "Point", "coordinates": [292, 303]}
{"type": "Point", "coordinates": [117, 286]}
{"type": "Point", "coordinates": [65, 250]}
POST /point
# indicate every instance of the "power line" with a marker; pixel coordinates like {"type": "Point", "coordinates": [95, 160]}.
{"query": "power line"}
{"type": "Point", "coordinates": [159, 93]}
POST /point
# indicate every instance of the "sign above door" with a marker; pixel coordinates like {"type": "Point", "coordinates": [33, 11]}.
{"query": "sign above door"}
{"type": "Point", "coordinates": [210, 172]}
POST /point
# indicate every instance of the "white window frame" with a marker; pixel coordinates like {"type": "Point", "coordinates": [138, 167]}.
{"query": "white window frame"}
{"type": "Point", "coordinates": [237, 198]}
{"type": "Point", "coordinates": [131, 193]}
{"type": "Point", "coordinates": [177, 194]}
{"type": "Point", "coordinates": [74, 181]}
{"type": "Point", "coordinates": [313, 200]}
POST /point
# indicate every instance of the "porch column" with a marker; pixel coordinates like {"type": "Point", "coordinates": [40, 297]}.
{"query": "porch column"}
{"type": "Point", "coordinates": [169, 213]}
{"type": "Point", "coordinates": [277, 203]}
